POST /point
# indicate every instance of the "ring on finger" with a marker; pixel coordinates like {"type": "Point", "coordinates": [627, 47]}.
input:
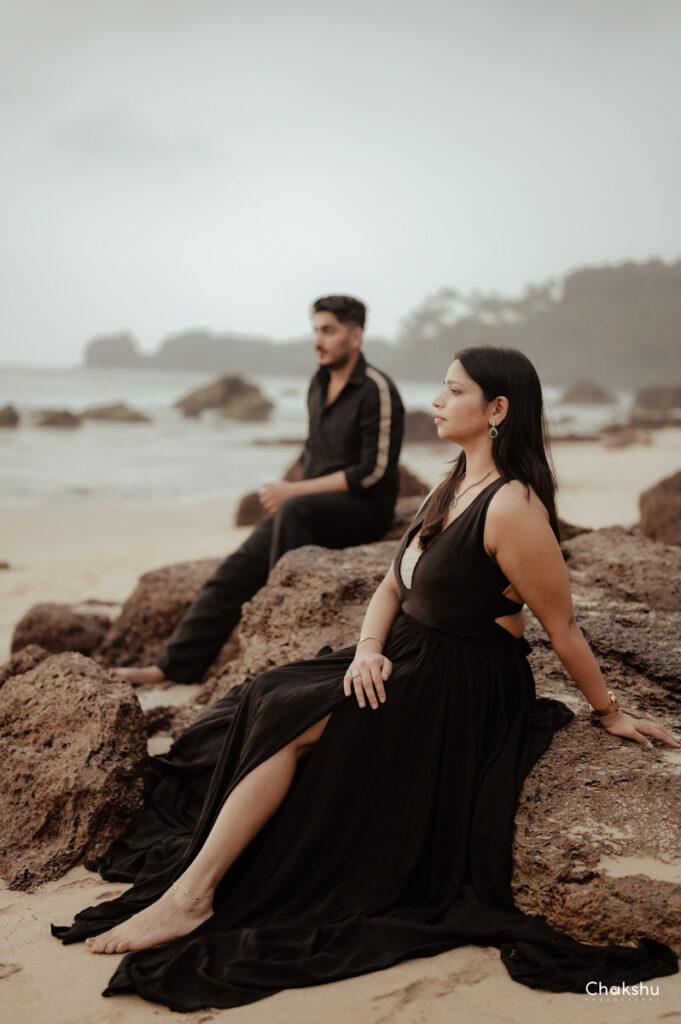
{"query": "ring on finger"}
{"type": "Point", "coordinates": [355, 673]}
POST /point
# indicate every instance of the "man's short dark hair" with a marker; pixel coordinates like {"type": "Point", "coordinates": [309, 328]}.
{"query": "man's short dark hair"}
{"type": "Point", "coordinates": [344, 307]}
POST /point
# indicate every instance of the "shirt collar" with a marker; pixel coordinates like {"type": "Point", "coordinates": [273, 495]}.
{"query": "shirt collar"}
{"type": "Point", "coordinates": [356, 377]}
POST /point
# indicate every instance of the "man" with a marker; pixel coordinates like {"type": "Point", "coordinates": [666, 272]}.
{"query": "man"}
{"type": "Point", "coordinates": [346, 496]}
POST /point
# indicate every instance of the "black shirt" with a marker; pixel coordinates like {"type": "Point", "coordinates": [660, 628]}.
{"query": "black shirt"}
{"type": "Point", "coordinates": [360, 431]}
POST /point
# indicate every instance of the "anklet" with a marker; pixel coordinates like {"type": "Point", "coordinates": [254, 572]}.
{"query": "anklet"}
{"type": "Point", "coordinates": [190, 892]}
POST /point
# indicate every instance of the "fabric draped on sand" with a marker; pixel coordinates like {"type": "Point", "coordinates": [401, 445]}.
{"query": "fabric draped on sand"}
{"type": "Point", "coordinates": [394, 839]}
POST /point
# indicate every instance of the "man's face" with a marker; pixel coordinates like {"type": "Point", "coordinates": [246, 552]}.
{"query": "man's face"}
{"type": "Point", "coordinates": [334, 343]}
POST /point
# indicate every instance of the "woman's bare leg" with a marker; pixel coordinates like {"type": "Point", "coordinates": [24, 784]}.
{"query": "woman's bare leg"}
{"type": "Point", "coordinates": [250, 804]}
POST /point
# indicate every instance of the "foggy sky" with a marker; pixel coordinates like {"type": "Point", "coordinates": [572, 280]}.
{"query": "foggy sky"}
{"type": "Point", "coordinates": [220, 163]}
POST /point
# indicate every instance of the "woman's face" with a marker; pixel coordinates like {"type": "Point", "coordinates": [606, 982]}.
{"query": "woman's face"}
{"type": "Point", "coordinates": [461, 412]}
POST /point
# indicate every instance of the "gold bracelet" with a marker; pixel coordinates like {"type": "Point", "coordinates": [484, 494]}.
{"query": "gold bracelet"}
{"type": "Point", "coordinates": [369, 636]}
{"type": "Point", "coordinates": [597, 713]}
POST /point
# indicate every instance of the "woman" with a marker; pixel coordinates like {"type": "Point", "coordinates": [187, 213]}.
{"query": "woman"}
{"type": "Point", "coordinates": [360, 808]}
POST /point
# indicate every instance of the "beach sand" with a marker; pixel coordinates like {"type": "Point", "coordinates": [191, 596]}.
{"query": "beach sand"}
{"type": "Point", "coordinates": [76, 554]}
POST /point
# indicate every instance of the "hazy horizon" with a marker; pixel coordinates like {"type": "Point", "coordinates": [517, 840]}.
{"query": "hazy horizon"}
{"type": "Point", "coordinates": [220, 166]}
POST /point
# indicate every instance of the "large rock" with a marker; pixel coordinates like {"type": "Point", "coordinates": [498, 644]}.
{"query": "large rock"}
{"type": "Point", "coordinates": [56, 418]}
{"type": "Point", "coordinates": [23, 661]}
{"type": "Point", "coordinates": [9, 417]}
{"type": "Point", "coordinates": [61, 627]}
{"type": "Point", "coordinates": [660, 508]}
{"type": "Point", "coordinates": [233, 396]}
{"type": "Point", "coordinates": [596, 839]}
{"type": "Point", "coordinates": [419, 427]}
{"type": "Point", "coordinates": [150, 614]}
{"type": "Point", "coordinates": [586, 392]}
{"type": "Point", "coordinates": [627, 566]}
{"type": "Point", "coordinates": [73, 755]}
{"type": "Point", "coordinates": [657, 405]}
{"type": "Point", "coordinates": [113, 350]}
{"type": "Point", "coordinates": [116, 413]}
{"type": "Point", "coordinates": [322, 593]}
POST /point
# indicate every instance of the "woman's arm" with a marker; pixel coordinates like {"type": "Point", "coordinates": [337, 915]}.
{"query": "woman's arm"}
{"type": "Point", "coordinates": [372, 667]}
{"type": "Point", "coordinates": [518, 535]}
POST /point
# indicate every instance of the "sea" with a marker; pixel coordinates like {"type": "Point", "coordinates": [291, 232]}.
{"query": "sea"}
{"type": "Point", "coordinates": [176, 459]}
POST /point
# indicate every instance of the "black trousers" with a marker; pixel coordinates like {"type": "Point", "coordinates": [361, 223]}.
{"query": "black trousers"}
{"type": "Point", "coordinates": [331, 519]}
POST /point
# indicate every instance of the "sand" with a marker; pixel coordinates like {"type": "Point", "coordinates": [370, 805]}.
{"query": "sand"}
{"type": "Point", "coordinates": [75, 554]}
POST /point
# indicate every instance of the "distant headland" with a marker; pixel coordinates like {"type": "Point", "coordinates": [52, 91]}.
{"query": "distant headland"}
{"type": "Point", "coordinates": [616, 324]}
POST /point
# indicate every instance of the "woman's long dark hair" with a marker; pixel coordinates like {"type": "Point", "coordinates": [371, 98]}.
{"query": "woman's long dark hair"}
{"type": "Point", "coordinates": [520, 450]}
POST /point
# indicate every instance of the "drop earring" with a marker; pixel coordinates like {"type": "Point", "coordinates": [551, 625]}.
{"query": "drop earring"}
{"type": "Point", "coordinates": [493, 429]}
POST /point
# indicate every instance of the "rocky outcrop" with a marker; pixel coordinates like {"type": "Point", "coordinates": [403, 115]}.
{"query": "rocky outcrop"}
{"type": "Point", "coordinates": [56, 418]}
{"type": "Point", "coordinates": [419, 427]}
{"type": "Point", "coordinates": [9, 417]}
{"type": "Point", "coordinates": [595, 847]}
{"type": "Point", "coordinates": [23, 661]}
{"type": "Point", "coordinates": [113, 351]}
{"type": "Point", "coordinates": [232, 396]}
{"type": "Point", "coordinates": [74, 750]}
{"type": "Point", "coordinates": [586, 392]}
{"type": "Point", "coordinates": [660, 508]}
{"type": "Point", "coordinates": [596, 840]}
{"type": "Point", "coordinates": [150, 614]}
{"type": "Point", "coordinates": [657, 406]}
{"type": "Point", "coordinates": [625, 436]}
{"type": "Point", "coordinates": [321, 593]}
{"type": "Point", "coordinates": [61, 627]}
{"type": "Point", "coordinates": [116, 413]}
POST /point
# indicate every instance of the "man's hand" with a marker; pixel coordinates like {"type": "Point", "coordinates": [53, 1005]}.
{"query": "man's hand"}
{"type": "Point", "coordinates": [272, 495]}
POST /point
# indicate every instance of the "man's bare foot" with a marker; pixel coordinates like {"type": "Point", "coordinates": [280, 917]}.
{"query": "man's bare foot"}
{"type": "Point", "coordinates": [149, 676]}
{"type": "Point", "coordinates": [176, 913]}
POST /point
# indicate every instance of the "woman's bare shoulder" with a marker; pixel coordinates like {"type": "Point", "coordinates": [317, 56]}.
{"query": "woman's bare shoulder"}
{"type": "Point", "coordinates": [514, 501]}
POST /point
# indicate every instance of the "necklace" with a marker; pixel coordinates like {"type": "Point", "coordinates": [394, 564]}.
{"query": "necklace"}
{"type": "Point", "coordinates": [452, 503]}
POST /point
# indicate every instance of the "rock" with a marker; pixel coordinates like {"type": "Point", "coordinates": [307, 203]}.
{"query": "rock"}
{"type": "Point", "coordinates": [61, 627]}
{"type": "Point", "coordinates": [150, 615]}
{"type": "Point", "coordinates": [56, 418]}
{"type": "Point", "coordinates": [624, 437]}
{"type": "Point", "coordinates": [660, 508]}
{"type": "Point", "coordinates": [586, 392]}
{"type": "Point", "coordinates": [74, 749]}
{"type": "Point", "coordinates": [410, 485]}
{"type": "Point", "coordinates": [171, 718]}
{"type": "Point", "coordinates": [113, 350]}
{"type": "Point", "coordinates": [594, 799]}
{"type": "Point", "coordinates": [657, 406]}
{"type": "Point", "coordinates": [405, 510]}
{"type": "Point", "coordinates": [419, 427]}
{"type": "Point", "coordinates": [9, 417]}
{"type": "Point", "coordinates": [325, 592]}
{"type": "Point", "coordinates": [4, 565]}
{"type": "Point", "coordinates": [627, 566]}
{"type": "Point", "coordinates": [233, 396]}
{"type": "Point", "coordinates": [117, 413]}
{"type": "Point", "coordinates": [569, 530]}
{"type": "Point", "coordinates": [265, 442]}
{"type": "Point", "coordinates": [249, 511]}
{"type": "Point", "coordinates": [24, 660]}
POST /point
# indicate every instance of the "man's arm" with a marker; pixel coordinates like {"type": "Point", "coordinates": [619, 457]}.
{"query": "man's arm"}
{"type": "Point", "coordinates": [272, 495]}
{"type": "Point", "coordinates": [381, 427]}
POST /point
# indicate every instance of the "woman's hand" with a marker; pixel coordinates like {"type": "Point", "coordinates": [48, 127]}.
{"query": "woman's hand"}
{"type": "Point", "coordinates": [366, 674]}
{"type": "Point", "coordinates": [638, 729]}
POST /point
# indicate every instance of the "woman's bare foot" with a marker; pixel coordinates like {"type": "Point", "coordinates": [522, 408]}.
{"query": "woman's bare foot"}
{"type": "Point", "coordinates": [176, 913]}
{"type": "Point", "coordinates": [149, 676]}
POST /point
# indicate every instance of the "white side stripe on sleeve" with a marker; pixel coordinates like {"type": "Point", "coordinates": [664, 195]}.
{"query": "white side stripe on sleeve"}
{"type": "Point", "coordinates": [384, 416]}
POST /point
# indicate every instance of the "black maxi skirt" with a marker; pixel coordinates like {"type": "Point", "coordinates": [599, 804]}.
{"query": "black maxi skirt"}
{"type": "Point", "coordinates": [393, 841]}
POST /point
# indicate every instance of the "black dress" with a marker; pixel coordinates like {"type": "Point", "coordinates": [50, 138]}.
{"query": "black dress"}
{"type": "Point", "coordinates": [394, 839]}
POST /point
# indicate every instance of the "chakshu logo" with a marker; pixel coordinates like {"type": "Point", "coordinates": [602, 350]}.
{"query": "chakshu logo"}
{"type": "Point", "coordinates": [638, 991]}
